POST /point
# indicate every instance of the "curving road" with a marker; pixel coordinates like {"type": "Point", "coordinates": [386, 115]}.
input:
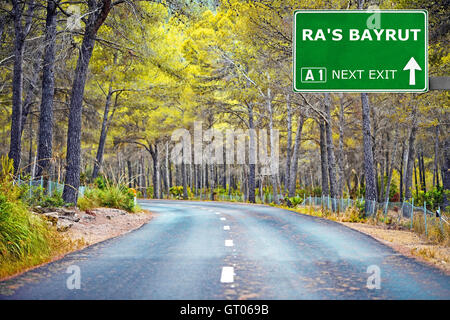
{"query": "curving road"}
{"type": "Point", "coordinates": [213, 250]}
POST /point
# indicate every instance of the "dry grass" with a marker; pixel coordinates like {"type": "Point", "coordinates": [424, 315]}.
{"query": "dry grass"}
{"type": "Point", "coordinates": [432, 247]}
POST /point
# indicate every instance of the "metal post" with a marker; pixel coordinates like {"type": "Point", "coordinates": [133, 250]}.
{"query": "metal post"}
{"type": "Point", "coordinates": [412, 212]}
{"type": "Point", "coordinates": [425, 216]}
{"type": "Point", "coordinates": [386, 208]}
{"type": "Point", "coordinates": [440, 219]}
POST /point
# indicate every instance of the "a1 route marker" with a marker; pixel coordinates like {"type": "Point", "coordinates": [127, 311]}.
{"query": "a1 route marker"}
{"type": "Point", "coordinates": [360, 51]}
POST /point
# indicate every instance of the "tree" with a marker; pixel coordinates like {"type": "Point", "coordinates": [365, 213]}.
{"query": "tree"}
{"type": "Point", "coordinates": [45, 136]}
{"type": "Point", "coordinates": [20, 31]}
{"type": "Point", "coordinates": [98, 12]}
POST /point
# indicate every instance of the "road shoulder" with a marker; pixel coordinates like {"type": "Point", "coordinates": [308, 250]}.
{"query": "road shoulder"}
{"type": "Point", "coordinates": [407, 243]}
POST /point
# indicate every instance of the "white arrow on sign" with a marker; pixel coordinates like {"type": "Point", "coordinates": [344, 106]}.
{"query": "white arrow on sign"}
{"type": "Point", "coordinates": [412, 66]}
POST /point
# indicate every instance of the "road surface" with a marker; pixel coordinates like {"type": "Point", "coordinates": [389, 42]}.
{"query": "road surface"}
{"type": "Point", "coordinates": [213, 250]}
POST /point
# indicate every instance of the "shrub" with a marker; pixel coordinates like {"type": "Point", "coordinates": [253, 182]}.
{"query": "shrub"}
{"type": "Point", "coordinates": [39, 197]}
{"type": "Point", "coordinates": [176, 191]}
{"type": "Point", "coordinates": [111, 196]}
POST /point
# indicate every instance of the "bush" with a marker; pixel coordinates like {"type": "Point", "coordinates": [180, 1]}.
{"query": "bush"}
{"type": "Point", "coordinates": [433, 197]}
{"type": "Point", "coordinates": [111, 196]}
{"type": "Point", "coordinates": [39, 197]}
{"type": "Point", "coordinates": [176, 191]}
{"type": "Point", "coordinates": [293, 201]}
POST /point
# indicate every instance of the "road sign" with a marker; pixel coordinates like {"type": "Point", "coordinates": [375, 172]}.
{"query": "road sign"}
{"type": "Point", "coordinates": [360, 51]}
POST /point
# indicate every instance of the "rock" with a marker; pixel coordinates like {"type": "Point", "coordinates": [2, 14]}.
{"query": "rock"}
{"type": "Point", "coordinates": [73, 218]}
{"type": "Point", "coordinates": [66, 212]}
{"type": "Point", "coordinates": [63, 226]}
{"type": "Point", "coordinates": [87, 217]}
{"type": "Point", "coordinates": [90, 212]}
{"type": "Point", "coordinates": [39, 209]}
{"type": "Point", "coordinates": [51, 217]}
{"type": "Point", "coordinates": [108, 217]}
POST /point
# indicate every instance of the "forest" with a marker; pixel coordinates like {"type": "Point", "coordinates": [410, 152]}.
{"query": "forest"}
{"type": "Point", "coordinates": [96, 91]}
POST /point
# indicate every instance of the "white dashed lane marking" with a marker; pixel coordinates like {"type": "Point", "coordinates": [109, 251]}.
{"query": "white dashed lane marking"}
{"type": "Point", "coordinates": [226, 227]}
{"type": "Point", "coordinates": [229, 243]}
{"type": "Point", "coordinates": [227, 275]}
{"type": "Point", "coordinates": [223, 219]}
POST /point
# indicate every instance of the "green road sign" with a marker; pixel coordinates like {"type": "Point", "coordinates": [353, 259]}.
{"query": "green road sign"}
{"type": "Point", "coordinates": [360, 51]}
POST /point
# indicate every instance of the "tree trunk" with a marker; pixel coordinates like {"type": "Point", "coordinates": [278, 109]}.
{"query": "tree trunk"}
{"type": "Point", "coordinates": [411, 156]}
{"type": "Point", "coordinates": [341, 150]}
{"type": "Point", "coordinates": [415, 178]}
{"type": "Point", "coordinates": [31, 92]}
{"type": "Point", "coordinates": [103, 133]}
{"type": "Point", "coordinates": [423, 182]}
{"type": "Point", "coordinates": [323, 158]}
{"type": "Point", "coordinates": [294, 165]}
{"type": "Point", "coordinates": [20, 33]}
{"type": "Point", "coordinates": [330, 148]}
{"type": "Point", "coordinates": [130, 174]}
{"type": "Point", "coordinates": [391, 167]}
{"type": "Point", "coordinates": [273, 169]}
{"type": "Point", "coordinates": [369, 170]}
{"type": "Point", "coordinates": [48, 91]}
{"type": "Point", "coordinates": [252, 153]}
{"type": "Point", "coordinates": [99, 11]}
{"type": "Point", "coordinates": [156, 178]}
{"type": "Point", "coordinates": [401, 171]}
{"type": "Point", "coordinates": [287, 183]}
{"type": "Point", "coordinates": [436, 156]}
{"type": "Point", "coordinates": [446, 174]}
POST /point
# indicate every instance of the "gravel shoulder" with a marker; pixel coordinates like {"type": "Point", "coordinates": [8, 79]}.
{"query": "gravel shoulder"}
{"type": "Point", "coordinates": [407, 243]}
{"type": "Point", "coordinates": [104, 223]}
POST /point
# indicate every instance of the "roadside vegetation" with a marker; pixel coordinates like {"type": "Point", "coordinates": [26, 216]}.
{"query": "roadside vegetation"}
{"type": "Point", "coordinates": [26, 239]}
{"type": "Point", "coordinates": [105, 194]}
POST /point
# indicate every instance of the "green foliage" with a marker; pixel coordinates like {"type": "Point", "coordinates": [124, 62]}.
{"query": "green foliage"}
{"type": "Point", "coordinates": [100, 182]}
{"type": "Point", "coordinates": [111, 196]}
{"type": "Point", "coordinates": [37, 196]}
{"type": "Point", "coordinates": [432, 197]}
{"type": "Point", "coordinates": [360, 205]}
{"type": "Point", "coordinates": [293, 201]}
{"type": "Point", "coordinates": [25, 238]}
{"type": "Point", "coordinates": [176, 191]}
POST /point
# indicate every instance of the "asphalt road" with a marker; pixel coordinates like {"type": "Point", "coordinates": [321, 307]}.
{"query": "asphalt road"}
{"type": "Point", "coordinates": [213, 250]}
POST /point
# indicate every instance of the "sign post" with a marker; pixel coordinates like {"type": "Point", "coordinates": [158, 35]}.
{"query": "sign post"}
{"type": "Point", "coordinates": [360, 51]}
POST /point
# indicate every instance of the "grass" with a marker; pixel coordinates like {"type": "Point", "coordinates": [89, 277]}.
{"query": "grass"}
{"type": "Point", "coordinates": [26, 240]}
{"type": "Point", "coordinates": [110, 196]}
{"type": "Point", "coordinates": [437, 232]}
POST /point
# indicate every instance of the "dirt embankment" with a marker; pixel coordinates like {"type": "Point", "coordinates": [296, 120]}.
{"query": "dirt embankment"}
{"type": "Point", "coordinates": [103, 223]}
{"type": "Point", "coordinates": [86, 228]}
{"type": "Point", "coordinates": [407, 243]}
